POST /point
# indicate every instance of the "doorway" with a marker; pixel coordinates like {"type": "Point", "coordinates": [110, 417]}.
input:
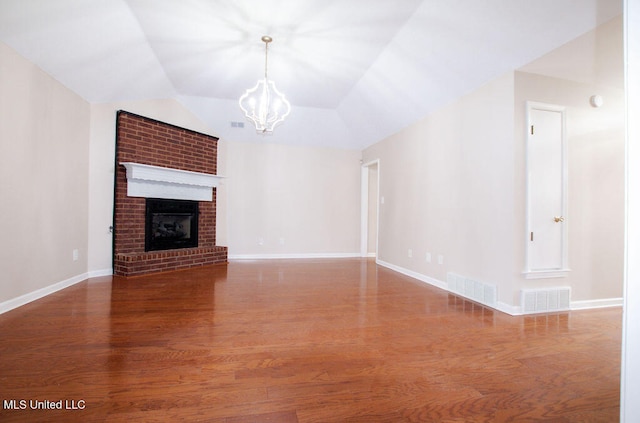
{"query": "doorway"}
{"type": "Point", "coordinates": [369, 208]}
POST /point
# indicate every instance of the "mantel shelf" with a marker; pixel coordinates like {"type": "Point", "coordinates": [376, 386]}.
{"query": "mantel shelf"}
{"type": "Point", "coordinates": [162, 182]}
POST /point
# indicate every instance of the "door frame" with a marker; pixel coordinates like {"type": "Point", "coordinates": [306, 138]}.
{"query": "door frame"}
{"type": "Point", "coordinates": [364, 207]}
{"type": "Point", "coordinates": [528, 272]}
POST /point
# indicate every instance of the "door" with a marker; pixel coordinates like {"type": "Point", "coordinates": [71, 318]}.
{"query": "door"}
{"type": "Point", "coordinates": [546, 191]}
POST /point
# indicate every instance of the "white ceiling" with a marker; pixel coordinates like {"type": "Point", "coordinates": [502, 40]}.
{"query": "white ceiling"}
{"type": "Point", "coordinates": [355, 71]}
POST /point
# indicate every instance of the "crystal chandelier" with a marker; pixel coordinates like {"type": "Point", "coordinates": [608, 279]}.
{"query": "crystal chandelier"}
{"type": "Point", "coordinates": [263, 104]}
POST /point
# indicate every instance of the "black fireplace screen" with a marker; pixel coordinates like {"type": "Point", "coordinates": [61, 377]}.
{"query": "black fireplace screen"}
{"type": "Point", "coordinates": [171, 224]}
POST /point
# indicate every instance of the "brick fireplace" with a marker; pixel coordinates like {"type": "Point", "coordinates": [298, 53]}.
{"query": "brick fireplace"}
{"type": "Point", "coordinates": [158, 146]}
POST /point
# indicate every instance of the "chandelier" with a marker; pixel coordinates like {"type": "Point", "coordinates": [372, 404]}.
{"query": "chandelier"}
{"type": "Point", "coordinates": [263, 104]}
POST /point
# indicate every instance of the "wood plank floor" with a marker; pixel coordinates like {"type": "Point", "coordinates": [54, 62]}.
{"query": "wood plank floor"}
{"type": "Point", "coordinates": [301, 341]}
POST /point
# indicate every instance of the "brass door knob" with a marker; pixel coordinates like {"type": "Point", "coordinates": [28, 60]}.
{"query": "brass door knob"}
{"type": "Point", "coordinates": [558, 219]}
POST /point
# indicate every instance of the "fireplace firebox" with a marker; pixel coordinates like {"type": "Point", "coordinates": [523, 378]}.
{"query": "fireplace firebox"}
{"type": "Point", "coordinates": [170, 224]}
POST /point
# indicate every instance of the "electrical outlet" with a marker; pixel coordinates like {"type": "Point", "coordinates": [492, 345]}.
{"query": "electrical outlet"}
{"type": "Point", "coordinates": [440, 259]}
{"type": "Point", "coordinates": [410, 253]}
{"type": "Point", "coordinates": [281, 241]}
{"type": "Point", "coordinates": [75, 254]}
{"type": "Point", "coordinates": [260, 241]}
{"type": "Point", "coordinates": [428, 257]}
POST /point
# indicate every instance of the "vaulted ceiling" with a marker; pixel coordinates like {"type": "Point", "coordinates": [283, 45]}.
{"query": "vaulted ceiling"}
{"type": "Point", "coordinates": [355, 71]}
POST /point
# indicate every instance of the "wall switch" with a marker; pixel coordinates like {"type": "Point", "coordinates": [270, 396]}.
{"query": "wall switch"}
{"type": "Point", "coordinates": [428, 257]}
{"type": "Point", "coordinates": [75, 254]}
{"type": "Point", "coordinates": [440, 259]}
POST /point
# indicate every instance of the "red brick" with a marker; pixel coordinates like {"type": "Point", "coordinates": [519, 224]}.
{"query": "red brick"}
{"type": "Point", "coordinates": [147, 141]}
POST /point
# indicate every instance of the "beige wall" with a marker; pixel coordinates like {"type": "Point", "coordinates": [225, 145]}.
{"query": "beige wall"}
{"type": "Point", "coordinates": [454, 183]}
{"type": "Point", "coordinates": [290, 201]}
{"type": "Point", "coordinates": [448, 190]}
{"type": "Point", "coordinates": [44, 134]}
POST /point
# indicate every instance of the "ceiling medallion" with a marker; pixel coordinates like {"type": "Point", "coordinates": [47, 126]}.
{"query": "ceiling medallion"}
{"type": "Point", "coordinates": [263, 104]}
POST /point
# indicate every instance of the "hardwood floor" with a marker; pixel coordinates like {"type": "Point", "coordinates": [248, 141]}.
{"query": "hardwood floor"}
{"type": "Point", "coordinates": [301, 341]}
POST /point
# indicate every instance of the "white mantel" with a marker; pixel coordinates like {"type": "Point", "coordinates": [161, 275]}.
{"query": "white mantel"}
{"type": "Point", "coordinates": [163, 182]}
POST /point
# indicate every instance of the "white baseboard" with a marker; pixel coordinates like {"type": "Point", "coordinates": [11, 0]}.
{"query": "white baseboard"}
{"type": "Point", "coordinates": [500, 306]}
{"type": "Point", "coordinates": [589, 304]}
{"type": "Point", "coordinates": [575, 305]}
{"type": "Point", "coordinates": [508, 309]}
{"type": "Point", "coordinates": [419, 276]}
{"type": "Point", "coordinates": [40, 293]}
{"type": "Point", "coordinates": [291, 256]}
{"type": "Point", "coordinates": [100, 273]}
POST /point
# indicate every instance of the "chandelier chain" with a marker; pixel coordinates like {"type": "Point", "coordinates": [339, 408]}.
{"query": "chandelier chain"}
{"type": "Point", "coordinates": [266, 55]}
{"type": "Point", "coordinates": [266, 39]}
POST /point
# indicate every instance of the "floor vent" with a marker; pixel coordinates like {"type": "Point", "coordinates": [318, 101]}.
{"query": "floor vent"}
{"type": "Point", "coordinates": [481, 292]}
{"type": "Point", "coordinates": [545, 300]}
